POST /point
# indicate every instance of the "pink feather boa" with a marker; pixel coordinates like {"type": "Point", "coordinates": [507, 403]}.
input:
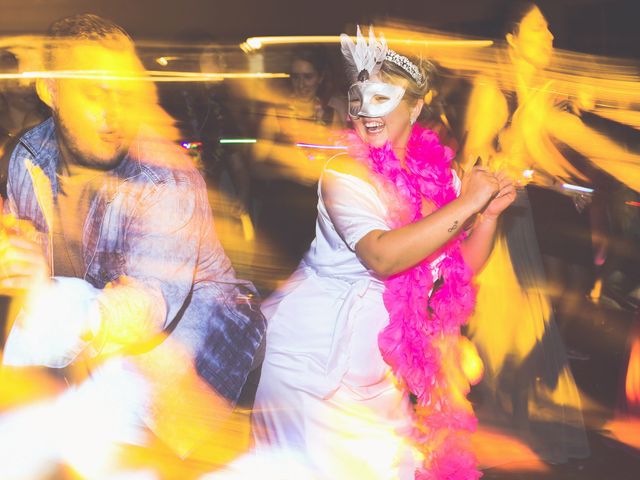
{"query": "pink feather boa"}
{"type": "Point", "coordinates": [412, 343]}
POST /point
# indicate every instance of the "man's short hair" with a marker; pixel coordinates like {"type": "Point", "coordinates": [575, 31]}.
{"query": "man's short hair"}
{"type": "Point", "coordinates": [84, 27]}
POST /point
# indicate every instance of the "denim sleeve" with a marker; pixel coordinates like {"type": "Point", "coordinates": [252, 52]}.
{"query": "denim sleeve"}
{"type": "Point", "coordinates": [173, 250]}
{"type": "Point", "coordinates": [16, 173]}
{"type": "Point", "coordinates": [162, 244]}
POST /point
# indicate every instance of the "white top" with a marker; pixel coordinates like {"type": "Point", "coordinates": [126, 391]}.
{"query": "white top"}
{"type": "Point", "coordinates": [326, 395]}
{"type": "Point", "coordinates": [332, 294]}
{"type": "Point", "coordinates": [347, 211]}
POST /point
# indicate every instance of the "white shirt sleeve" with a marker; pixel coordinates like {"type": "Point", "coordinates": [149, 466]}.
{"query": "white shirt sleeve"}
{"type": "Point", "coordinates": [353, 205]}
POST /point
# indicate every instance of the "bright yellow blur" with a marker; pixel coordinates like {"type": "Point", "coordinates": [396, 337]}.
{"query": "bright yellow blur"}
{"type": "Point", "coordinates": [573, 81]}
{"type": "Point", "coordinates": [256, 43]}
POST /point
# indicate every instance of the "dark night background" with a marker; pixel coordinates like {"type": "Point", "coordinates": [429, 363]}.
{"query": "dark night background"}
{"type": "Point", "coordinates": [608, 27]}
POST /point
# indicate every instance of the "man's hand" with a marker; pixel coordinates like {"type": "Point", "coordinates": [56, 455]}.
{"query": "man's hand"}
{"type": "Point", "coordinates": [22, 262]}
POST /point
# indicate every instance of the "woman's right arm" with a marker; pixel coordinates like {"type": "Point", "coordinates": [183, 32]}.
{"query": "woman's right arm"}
{"type": "Point", "coordinates": [393, 251]}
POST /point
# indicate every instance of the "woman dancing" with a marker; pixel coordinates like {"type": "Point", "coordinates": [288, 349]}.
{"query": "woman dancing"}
{"type": "Point", "coordinates": [363, 373]}
{"type": "Point", "coordinates": [519, 121]}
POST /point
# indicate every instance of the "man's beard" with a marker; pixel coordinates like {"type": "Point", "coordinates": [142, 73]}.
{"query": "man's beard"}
{"type": "Point", "coordinates": [71, 150]}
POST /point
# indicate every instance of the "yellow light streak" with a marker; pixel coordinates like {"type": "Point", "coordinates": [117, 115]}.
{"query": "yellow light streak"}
{"type": "Point", "coordinates": [256, 43]}
{"type": "Point", "coordinates": [151, 76]}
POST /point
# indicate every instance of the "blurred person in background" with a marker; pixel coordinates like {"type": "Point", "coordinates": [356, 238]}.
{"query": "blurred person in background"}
{"type": "Point", "coordinates": [518, 119]}
{"type": "Point", "coordinates": [208, 114]}
{"type": "Point", "coordinates": [286, 164]}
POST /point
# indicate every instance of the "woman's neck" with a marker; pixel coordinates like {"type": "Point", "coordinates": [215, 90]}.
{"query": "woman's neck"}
{"type": "Point", "coordinates": [400, 153]}
{"type": "Point", "coordinates": [305, 105]}
{"type": "Point", "coordinates": [525, 75]}
{"type": "Point", "coordinates": [399, 147]}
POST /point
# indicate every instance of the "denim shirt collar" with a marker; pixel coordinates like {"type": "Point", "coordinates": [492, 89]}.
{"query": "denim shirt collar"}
{"type": "Point", "coordinates": [42, 143]}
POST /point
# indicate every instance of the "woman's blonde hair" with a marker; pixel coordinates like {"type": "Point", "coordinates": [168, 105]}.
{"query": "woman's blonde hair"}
{"type": "Point", "coordinates": [392, 73]}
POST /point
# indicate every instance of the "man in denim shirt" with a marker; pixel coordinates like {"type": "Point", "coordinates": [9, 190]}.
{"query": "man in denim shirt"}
{"type": "Point", "coordinates": [114, 238]}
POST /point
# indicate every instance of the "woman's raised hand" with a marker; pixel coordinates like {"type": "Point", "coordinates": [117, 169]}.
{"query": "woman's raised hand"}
{"type": "Point", "coordinates": [479, 187]}
{"type": "Point", "coordinates": [505, 197]}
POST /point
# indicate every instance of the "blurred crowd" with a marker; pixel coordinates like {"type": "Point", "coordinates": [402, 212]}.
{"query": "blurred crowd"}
{"type": "Point", "coordinates": [261, 143]}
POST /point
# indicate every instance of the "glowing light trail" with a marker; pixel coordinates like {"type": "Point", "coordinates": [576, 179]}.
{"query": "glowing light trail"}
{"type": "Point", "coordinates": [322, 147]}
{"type": "Point", "coordinates": [237, 140]}
{"type": "Point", "coordinates": [150, 76]}
{"type": "Point", "coordinates": [576, 188]}
{"type": "Point", "coordinates": [256, 43]}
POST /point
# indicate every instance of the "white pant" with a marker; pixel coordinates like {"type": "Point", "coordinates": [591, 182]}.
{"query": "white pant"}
{"type": "Point", "coordinates": [83, 427]}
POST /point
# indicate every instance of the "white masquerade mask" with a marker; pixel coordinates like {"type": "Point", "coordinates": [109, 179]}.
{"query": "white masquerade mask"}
{"type": "Point", "coordinates": [368, 98]}
{"type": "Point", "coordinates": [373, 99]}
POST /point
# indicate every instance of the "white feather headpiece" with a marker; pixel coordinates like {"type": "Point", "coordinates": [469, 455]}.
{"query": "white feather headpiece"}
{"type": "Point", "coordinates": [361, 57]}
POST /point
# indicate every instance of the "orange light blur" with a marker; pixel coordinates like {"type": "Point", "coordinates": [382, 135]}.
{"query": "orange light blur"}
{"type": "Point", "coordinates": [625, 430]}
{"type": "Point", "coordinates": [632, 383]}
{"type": "Point", "coordinates": [497, 450]}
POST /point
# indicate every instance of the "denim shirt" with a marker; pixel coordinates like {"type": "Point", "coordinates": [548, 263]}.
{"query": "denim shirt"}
{"type": "Point", "coordinates": [151, 221]}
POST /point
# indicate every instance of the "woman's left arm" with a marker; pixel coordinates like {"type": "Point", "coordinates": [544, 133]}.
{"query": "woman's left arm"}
{"type": "Point", "coordinates": [477, 247]}
{"type": "Point", "coordinates": [604, 152]}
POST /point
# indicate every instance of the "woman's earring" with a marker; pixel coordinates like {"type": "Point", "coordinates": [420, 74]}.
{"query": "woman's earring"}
{"type": "Point", "coordinates": [412, 121]}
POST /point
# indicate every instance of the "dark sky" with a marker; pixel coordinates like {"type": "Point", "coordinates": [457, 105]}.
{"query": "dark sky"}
{"type": "Point", "coordinates": [598, 26]}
